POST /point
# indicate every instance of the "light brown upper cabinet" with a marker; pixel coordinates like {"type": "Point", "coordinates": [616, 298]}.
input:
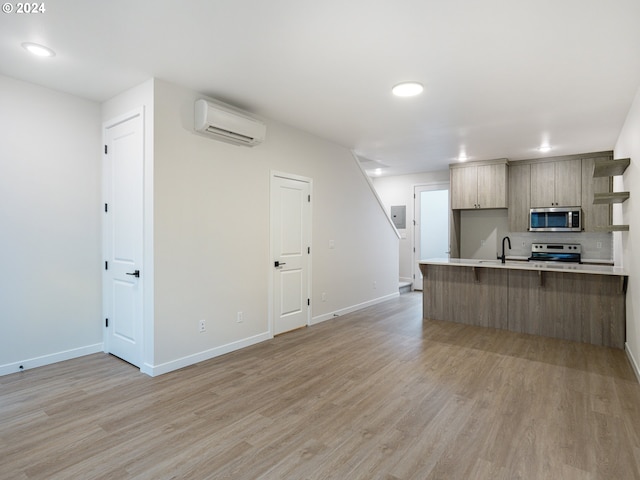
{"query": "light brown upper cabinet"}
{"type": "Point", "coordinates": [479, 185]}
{"type": "Point", "coordinates": [519, 196]}
{"type": "Point", "coordinates": [556, 183]}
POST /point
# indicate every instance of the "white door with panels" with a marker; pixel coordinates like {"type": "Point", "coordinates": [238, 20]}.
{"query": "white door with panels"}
{"type": "Point", "coordinates": [291, 251]}
{"type": "Point", "coordinates": [431, 226]}
{"type": "Point", "coordinates": [123, 235]}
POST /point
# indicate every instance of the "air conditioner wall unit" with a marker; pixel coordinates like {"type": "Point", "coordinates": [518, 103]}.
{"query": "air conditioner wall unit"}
{"type": "Point", "coordinates": [227, 124]}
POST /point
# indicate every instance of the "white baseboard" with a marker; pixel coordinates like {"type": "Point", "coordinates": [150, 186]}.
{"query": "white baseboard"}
{"type": "Point", "coordinates": [353, 308]}
{"type": "Point", "coordinates": [155, 370]}
{"type": "Point", "coordinates": [29, 363]}
{"type": "Point", "coordinates": [634, 364]}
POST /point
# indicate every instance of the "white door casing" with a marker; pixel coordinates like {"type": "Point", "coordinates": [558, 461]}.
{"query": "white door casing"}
{"type": "Point", "coordinates": [290, 251]}
{"type": "Point", "coordinates": [123, 277]}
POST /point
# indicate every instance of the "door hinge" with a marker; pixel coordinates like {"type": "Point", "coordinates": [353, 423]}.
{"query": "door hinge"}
{"type": "Point", "coordinates": [106, 265]}
{"type": "Point", "coordinates": [308, 198]}
{"type": "Point", "coordinates": [414, 249]}
{"type": "Point", "coordinates": [105, 149]}
{"type": "Point", "coordinates": [308, 250]}
{"type": "Point", "coordinates": [308, 301]}
{"type": "Point", "coordinates": [106, 322]}
{"type": "Point", "coordinates": [106, 207]}
{"type": "Point", "coordinates": [414, 276]}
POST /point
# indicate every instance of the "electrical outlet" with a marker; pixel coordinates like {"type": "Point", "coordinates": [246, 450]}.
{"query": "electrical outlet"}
{"type": "Point", "coordinates": [332, 244]}
{"type": "Point", "coordinates": [324, 296]}
{"type": "Point", "coordinates": [375, 284]}
{"type": "Point", "coordinates": [598, 244]}
{"type": "Point", "coordinates": [240, 317]}
{"type": "Point", "coordinates": [482, 242]}
{"type": "Point", "coordinates": [202, 326]}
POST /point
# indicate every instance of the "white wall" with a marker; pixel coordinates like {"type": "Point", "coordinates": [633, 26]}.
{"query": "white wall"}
{"type": "Point", "coordinates": [628, 146]}
{"type": "Point", "coordinates": [211, 232]}
{"type": "Point", "coordinates": [206, 228]}
{"type": "Point", "coordinates": [50, 245]}
{"type": "Point", "coordinates": [398, 190]}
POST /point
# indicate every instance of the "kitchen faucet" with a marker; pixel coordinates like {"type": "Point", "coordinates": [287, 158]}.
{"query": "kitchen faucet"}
{"type": "Point", "coordinates": [502, 257]}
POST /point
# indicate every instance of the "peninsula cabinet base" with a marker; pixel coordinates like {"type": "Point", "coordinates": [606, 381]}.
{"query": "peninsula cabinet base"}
{"type": "Point", "coordinates": [474, 296]}
{"type": "Point", "coordinates": [580, 307]}
{"type": "Point", "coordinates": [570, 306]}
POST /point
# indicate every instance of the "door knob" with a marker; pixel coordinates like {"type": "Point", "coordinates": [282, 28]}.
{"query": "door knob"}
{"type": "Point", "coordinates": [135, 274]}
{"type": "Point", "coordinates": [278, 264]}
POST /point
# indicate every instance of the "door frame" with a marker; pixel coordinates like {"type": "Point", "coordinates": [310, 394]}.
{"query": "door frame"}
{"type": "Point", "coordinates": [415, 271]}
{"type": "Point", "coordinates": [146, 280]}
{"type": "Point", "coordinates": [270, 269]}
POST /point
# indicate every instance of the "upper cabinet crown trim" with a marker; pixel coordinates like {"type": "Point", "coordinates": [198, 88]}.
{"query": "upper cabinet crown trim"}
{"type": "Point", "coordinates": [498, 161]}
{"type": "Point", "coordinates": [606, 153]}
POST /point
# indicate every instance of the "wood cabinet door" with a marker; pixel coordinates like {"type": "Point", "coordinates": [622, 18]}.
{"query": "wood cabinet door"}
{"type": "Point", "coordinates": [568, 183]}
{"type": "Point", "coordinates": [464, 187]}
{"type": "Point", "coordinates": [492, 186]}
{"type": "Point", "coordinates": [519, 197]}
{"type": "Point", "coordinates": [594, 216]}
{"type": "Point", "coordinates": [543, 184]}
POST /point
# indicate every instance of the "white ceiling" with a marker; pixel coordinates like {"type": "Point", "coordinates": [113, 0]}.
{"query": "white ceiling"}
{"type": "Point", "coordinates": [500, 76]}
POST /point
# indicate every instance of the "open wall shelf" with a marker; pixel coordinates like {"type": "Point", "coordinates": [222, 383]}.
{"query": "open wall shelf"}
{"type": "Point", "coordinates": [613, 228]}
{"type": "Point", "coordinates": [610, 168]}
{"type": "Point", "coordinates": [610, 197]}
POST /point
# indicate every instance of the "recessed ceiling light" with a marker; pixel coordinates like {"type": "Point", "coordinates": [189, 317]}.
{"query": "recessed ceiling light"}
{"type": "Point", "coordinates": [544, 148]}
{"type": "Point", "coordinates": [407, 89]}
{"type": "Point", "coordinates": [38, 50]}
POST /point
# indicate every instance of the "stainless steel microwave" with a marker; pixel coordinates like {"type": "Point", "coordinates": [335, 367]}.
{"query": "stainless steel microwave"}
{"type": "Point", "coordinates": [555, 219]}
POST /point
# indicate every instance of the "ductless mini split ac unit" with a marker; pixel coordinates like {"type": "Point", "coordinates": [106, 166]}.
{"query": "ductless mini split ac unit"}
{"type": "Point", "coordinates": [228, 125]}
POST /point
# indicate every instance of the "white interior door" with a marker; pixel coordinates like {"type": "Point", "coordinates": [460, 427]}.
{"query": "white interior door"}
{"type": "Point", "coordinates": [431, 230]}
{"type": "Point", "coordinates": [291, 249]}
{"type": "Point", "coordinates": [123, 275]}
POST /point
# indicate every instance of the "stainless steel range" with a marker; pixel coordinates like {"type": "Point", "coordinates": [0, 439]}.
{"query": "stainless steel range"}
{"type": "Point", "coordinates": [556, 252]}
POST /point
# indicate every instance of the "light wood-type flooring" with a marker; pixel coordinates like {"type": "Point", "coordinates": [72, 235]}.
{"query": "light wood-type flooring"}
{"type": "Point", "coordinates": [376, 394]}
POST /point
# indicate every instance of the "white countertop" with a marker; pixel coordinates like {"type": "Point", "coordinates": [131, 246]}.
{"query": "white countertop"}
{"type": "Point", "coordinates": [535, 266]}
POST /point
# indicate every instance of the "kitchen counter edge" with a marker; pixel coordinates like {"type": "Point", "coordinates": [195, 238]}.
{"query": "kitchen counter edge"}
{"type": "Point", "coordinates": [532, 266]}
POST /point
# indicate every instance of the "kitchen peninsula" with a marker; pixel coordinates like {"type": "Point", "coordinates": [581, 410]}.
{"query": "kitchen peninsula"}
{"type": "Point", "coordinates": [583, 303]}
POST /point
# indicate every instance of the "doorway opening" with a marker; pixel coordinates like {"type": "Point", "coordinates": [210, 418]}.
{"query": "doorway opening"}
{"type": "Point", "coordinates": [431, 226]}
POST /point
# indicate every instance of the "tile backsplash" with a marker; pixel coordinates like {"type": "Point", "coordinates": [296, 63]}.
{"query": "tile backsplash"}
{"type": "Point", "coordinates": [595, 246]}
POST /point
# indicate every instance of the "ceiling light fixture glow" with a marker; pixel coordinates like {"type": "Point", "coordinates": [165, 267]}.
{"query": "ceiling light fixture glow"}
{"type": "Point", "coordinates": [38, 50]}
{"type": "Point", "coordinates": [407, 89]}
{"type": "Point", "coordinates": [544, 148]}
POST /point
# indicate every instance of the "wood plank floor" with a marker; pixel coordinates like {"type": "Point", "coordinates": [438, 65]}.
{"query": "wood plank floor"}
{"type": "Point", "coordinates": [377, 394]}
